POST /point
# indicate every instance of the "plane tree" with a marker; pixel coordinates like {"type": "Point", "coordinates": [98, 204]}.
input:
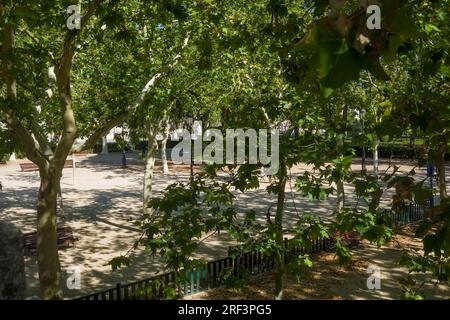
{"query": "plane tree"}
{"type": "Point", "coordinates": [60, 84]}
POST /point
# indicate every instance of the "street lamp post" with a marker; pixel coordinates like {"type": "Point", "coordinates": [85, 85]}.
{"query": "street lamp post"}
{"type": "Point", "coordinates": [124, 159]}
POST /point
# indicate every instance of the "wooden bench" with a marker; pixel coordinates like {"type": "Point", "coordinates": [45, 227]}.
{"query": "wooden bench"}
{"type": "Point", "coordinates": [82, 153]}
{"type": "Point", "coordinates": [65, 238]}
{"type": "Point", "coordinates": [30, 166]}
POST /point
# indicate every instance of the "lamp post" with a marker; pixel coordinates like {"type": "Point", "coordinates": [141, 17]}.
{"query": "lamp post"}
{"type": "Point", "coordinates": [124, 159]}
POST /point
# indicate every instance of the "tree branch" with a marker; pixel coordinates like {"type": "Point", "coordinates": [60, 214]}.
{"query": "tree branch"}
{"type": "Point", "coordinates": [36, 40]}
{"type": "Point", "coordinates": [102, 131]}
{"type": "Point", "coordinates": [122, 117]}
{"type": "Point", "coordinates": [19, 131]}
{"type": "Point", "coordinates": [63, 73]}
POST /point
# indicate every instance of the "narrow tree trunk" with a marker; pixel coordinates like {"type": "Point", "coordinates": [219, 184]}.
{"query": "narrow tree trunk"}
{"type": "Point", "coordinates": [412, 139]}
{"type": "Point", "coordinates": [164, 151]}
{"type": "Point", "coordinates": [340, 204]}
{"type": "Point", "coordinates": [440, 165]}
{"type": "Point", "coordinates": [363, 161]}
{"type": "Point", "coordinates": [47, 249]}
{"type": "Point", "coordinates": [376, 145]}
{"type": "Point", "coordinates": [149, 170]}
{"type": "Point", "coordinates": [104, 145]}
{"type": "Point", "coordinates": [61, 203]}
{"type": "Point", "coordinates": [279, 257]}
{"type": "Point", "coordinates": [340, 183]}
{"type": "Point", "coordinates": [363, 155]}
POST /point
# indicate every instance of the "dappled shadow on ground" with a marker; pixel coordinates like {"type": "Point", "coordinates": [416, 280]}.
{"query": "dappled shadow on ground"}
{"type": "Point", "coordinates": [328, 280]}
{"type": "Point", "coordinates": [103, 200]}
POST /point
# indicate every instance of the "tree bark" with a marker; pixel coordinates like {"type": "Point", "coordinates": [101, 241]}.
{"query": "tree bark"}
{"type": "Point", "coordinates": [440, 166]}
{"type": "Point", "coordinates": [412, 139]}
{"type": "Point", "coordinates": [47, 249]}
{"type": "Point", "coordinates": [340, 191]}
{"type": "Point", "coordinates": [152, 146]}
{"type": "Point", "coordinates": [363, 161]}
{"type": "Point", "coordinates": [376, 145]}
{"type": "Point", "coordinates": [61, 202]}
{"type": "Point", "coordinates": [164, 148]}
{"type": "Point", "coordinates": [340, 204]}
{"type": "Point", "coordinates": [279, 257]}
{"type": "Point", "coordinates": [104, 145]}
{"type": "Point", "coordinates": [51, 172]}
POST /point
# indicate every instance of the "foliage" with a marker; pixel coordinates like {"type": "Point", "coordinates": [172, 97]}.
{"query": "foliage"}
{"type": "Point", "coordinates": [312, 66]}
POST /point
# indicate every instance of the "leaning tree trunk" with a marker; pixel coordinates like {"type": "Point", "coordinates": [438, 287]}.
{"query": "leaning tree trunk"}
{"type": "Point", "coordinates": [149, 170]}
{"type": "Point", "coordinates": [47, 249]}
{"type": "Point", "coordinates": [280, 254]}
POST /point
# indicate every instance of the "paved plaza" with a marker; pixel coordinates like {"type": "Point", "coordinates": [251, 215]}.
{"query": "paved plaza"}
{"type": "Point", "coordinates": [101, 202]}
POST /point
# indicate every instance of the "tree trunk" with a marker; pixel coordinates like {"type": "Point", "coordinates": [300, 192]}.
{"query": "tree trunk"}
{"type": "Point", "coordinates": [440, 165]}
{"type": "Point", "coordinates": [149, 169]}
{"type": "Point", "coordinates": [340, 183]}
{"type": "Point", "coordinates": [412, 139]}
{"type": "Point", "coordinates": [104, 145]}
{"type": "Point", "coordinates": [47, 249]}
{"type": "Point", "coordinates": [164, 151]}
{"type": "Point", "coordinates": [363, 161]}
{"type": "Point", "coordinates": [61, 203]}
{"type": "Point", "coordinates": [340, 195]}
{"type": "Point", "coordinates": [279, 257]}
{"type": "Point", "coordinates": [376, 145]}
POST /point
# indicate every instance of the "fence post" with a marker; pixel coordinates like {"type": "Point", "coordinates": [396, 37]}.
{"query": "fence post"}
{"type": "Point", "coordinates": [118, 290]}
{"type": "Point", "coordinates": [411, 212]}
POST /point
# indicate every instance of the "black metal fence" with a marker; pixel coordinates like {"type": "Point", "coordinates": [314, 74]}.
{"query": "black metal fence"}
{"type": "Point", "coordinates": [411, 213]}
{"type": "Point", "coordinates": [215, 273]}
{"type": "Point", "coordinates": [204, 278]}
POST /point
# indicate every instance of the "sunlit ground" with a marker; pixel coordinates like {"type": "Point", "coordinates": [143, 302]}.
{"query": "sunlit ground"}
{"type": "Point", "coordinates": [102, 202]}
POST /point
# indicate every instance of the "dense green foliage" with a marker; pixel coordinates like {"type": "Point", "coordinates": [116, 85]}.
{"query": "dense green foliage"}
{"type": "Point", "coordinates": [311, 65]}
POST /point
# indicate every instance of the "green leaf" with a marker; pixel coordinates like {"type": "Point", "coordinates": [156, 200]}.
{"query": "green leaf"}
{"type": "Point", "coordinates": [345, 67]}
{"type": "Point", "coordinates": [118, 262]}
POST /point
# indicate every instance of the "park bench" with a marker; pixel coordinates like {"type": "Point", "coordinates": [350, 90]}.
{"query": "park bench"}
{"type": "Point", "coordinates": [30, 167]}
{"type": "Point", "coordinates": [65, 240]}
{"type": "Point", "coordinates": [82, 153]}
